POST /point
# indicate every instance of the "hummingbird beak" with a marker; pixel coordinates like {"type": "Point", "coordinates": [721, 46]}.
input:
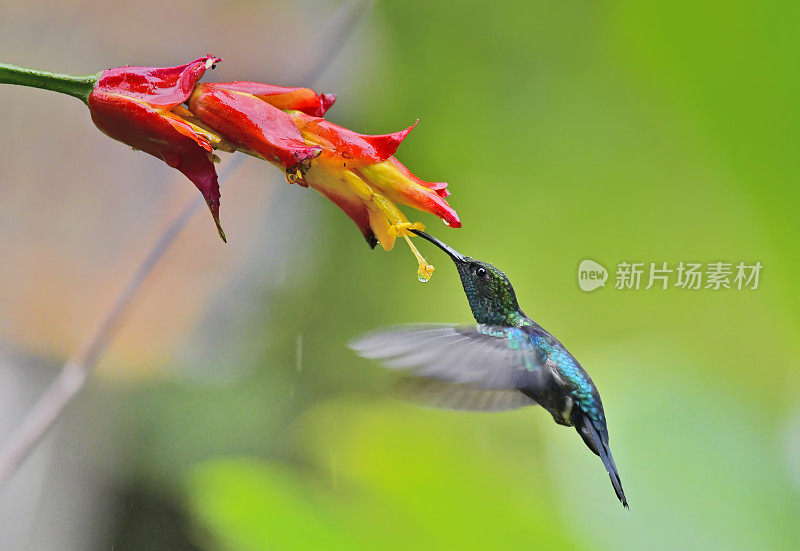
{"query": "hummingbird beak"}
{"type": "Point", "coordinates": [455, 255]}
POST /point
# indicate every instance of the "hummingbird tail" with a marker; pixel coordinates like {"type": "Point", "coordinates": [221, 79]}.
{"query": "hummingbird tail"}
{"type": "Point", "coordinates": [591, 435]}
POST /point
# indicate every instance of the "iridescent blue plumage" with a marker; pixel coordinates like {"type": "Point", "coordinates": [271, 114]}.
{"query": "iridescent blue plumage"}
{"type": "Point", "coordinates": [506, 361]}
{"type": "Point", "coordinates": [580, 386]}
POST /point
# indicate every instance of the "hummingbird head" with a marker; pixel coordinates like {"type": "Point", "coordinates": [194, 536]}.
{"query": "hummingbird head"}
{"type": "Point", "coordinates": [489, 292]}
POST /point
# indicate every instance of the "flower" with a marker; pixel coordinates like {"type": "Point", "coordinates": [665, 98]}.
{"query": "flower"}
{"type": "Point", "coordinates": [245, 113]}
{"type": "Point", "coordinates": [360, 174]}
{"type": "Point", "coordinates": [357, 172]}
{"type": "Point", "coordinates": [144, 107]}
{"type": "Point", "coordinates": [141, 107]}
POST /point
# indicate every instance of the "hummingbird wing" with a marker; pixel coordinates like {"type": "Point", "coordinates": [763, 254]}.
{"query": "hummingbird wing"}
{"type": "Point", "coordinates": [436, 394]}
{"type": "Point", "coordinates": [485, 357]}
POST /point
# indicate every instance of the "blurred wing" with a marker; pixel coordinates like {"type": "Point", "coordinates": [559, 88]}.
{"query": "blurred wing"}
{"type": "Point", "coordinates": [436, 394]}
{"type": "Point", "coordinates": [484, 356]}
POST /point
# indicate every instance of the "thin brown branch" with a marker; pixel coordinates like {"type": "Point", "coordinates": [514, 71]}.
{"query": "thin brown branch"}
{"type": "Point", "coordinates": [74, 373]}
{"type": "Point", "coordinates": [337, 36]}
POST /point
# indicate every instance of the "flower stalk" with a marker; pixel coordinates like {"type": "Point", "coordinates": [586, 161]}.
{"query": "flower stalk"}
{"type": "Point", "coordinates": [75, 86]}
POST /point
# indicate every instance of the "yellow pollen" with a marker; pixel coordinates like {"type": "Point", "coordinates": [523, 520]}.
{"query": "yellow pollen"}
{"type": "Point", "coordinates": [295, 177]}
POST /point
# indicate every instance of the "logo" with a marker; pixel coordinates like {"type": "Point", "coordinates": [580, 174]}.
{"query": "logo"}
{"type": "Point", "coordinates": [591, 275]}
{"type": "Point", "coordinates": [692, 276]}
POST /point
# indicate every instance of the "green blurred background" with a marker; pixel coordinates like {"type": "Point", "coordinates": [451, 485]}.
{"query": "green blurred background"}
{"type": "Point", "coordinates": [644, 132]}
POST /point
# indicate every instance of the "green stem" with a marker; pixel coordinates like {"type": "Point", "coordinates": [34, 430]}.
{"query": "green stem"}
{"type": "Point", "coordinates": [79, 87]}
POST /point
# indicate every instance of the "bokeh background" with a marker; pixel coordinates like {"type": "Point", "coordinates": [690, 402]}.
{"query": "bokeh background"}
{"type": "Point", "coordinates": [229, 414]}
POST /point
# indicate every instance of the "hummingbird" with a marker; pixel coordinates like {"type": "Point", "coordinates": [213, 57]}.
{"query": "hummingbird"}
{"type": "Point", "coordinates": [507, 361]}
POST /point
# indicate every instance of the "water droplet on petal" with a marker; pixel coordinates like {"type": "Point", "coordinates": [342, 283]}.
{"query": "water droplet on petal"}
{"type": "Point", "coordinates": [424, 272]}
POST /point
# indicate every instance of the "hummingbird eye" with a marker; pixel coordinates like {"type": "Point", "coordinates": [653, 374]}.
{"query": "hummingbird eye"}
{"type": "Point", "coordinates": [481, 272]}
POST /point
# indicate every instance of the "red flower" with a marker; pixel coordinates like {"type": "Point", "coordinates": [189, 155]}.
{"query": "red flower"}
{"type": "Point", "coordinates": [357, 172]}
{"type": "Point", "coordinates": [350, 161]}
{"type": "Point", "coordinates": [250, 121]}
{"type": "Point", "coordinates": [141, 107]}
{"type": "Point", "coordinates": [295, 99]}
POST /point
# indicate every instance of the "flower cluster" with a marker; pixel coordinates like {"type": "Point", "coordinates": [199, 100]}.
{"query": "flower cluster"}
{"type": "Point", "coordinates": [166, 113]}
